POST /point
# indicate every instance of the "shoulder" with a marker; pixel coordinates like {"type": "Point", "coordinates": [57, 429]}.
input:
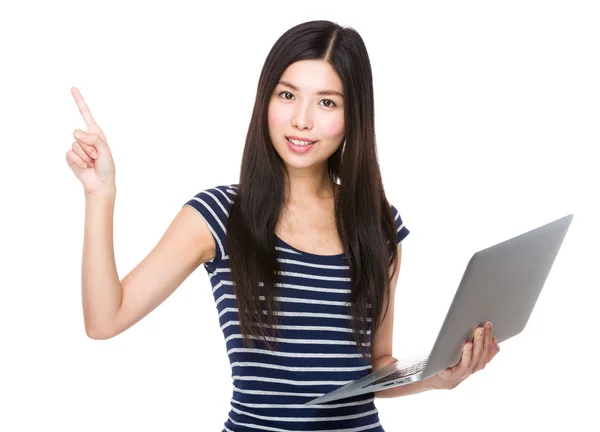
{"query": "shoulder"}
{"type": "Point", "coordinates": [213, 205]}
{"type": "Point", "coordinates": [222, 193]}
{"type": "Point", "coordinates": [401, 228]}
{"type": "Point", "coordinates": [215, 199]}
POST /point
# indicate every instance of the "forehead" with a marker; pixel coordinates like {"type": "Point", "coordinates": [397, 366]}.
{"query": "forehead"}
{"type": "Point", "coordinates": [312, 76]}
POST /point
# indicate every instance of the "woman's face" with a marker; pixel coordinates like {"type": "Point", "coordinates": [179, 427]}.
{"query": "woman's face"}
{"type": "Point", "coordinates": [307, 104]}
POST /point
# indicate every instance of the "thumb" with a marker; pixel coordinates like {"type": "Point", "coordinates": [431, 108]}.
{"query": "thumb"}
{"type": "Point", "coordinates": [93, 139]}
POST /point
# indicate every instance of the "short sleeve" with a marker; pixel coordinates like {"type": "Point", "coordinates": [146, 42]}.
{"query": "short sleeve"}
{"type": "Point", "coordinates": [213, 205]}
{"type": "Point", "coordinates": [400, 228]}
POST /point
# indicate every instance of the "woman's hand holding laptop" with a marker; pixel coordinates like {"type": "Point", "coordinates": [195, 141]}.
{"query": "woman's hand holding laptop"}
{"type": "Point", "coordinates": [475, 356]}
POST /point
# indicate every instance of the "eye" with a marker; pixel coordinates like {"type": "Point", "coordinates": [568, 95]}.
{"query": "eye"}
{"type": "Point", "coordinates": [330, 104]}
{"type": "Point", "coordinates": [284, 93]}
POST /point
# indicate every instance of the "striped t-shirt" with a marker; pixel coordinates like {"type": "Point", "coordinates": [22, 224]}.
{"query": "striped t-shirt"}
{"type": "Point", "coordinates": [316, 352]}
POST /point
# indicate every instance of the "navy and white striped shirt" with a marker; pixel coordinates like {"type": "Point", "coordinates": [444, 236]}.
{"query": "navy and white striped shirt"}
{"type": "Point", "coordinates": [316, 352]}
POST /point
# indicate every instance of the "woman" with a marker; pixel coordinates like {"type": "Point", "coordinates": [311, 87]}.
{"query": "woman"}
{"type": "Point", "coordinates": [303, 253]}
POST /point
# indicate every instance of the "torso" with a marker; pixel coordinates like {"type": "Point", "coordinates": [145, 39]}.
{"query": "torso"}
{"type": "Point", "coordinates": [315, 332]}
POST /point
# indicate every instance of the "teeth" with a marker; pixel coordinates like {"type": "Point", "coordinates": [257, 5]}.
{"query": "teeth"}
{"type": "Point", "coordinates": [300, 143]}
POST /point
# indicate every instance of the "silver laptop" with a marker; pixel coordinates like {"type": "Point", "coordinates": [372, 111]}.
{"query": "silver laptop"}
{"type": "Point", "coordinates": [501, 284]}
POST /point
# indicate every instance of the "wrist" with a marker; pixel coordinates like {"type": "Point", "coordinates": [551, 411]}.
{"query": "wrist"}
{"type": "Point", "coordinates": [434, 383]}
{"type": "Point", "coordinates": [437, 382]}
{"type": "Point", "coordinates": [105, 191]}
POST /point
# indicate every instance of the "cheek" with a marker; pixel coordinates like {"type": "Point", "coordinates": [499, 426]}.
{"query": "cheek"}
{"type": "Point", "coordinates": [276, 117]}
{"type": "Point", "coordinates": [332, 128]}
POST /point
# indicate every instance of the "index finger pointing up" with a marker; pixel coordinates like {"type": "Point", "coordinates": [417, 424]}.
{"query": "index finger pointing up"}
{"type": "Point", "coordinates": [83, 108]}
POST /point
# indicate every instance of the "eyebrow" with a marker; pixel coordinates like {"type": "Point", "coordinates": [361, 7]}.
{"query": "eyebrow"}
{"type": "Point", "coordinates": [322, 92]}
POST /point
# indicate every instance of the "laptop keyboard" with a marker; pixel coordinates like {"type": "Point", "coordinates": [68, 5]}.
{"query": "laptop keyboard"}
{"type": "Point", "coordinates": [404, 372]}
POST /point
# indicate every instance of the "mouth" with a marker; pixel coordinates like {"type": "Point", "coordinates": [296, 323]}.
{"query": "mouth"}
{"type": "Point", "coordinates": [299, 141]}
{"type": "Point", "coordinates": [299, 145]}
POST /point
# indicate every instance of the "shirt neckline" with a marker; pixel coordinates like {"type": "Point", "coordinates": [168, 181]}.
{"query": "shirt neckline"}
{"type": "Point", "coordinates": [308, 254]}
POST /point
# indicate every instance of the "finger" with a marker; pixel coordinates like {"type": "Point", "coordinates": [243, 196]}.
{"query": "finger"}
{"type": "Point", "coordinates": [74, 161]}
{"type": "Point", "coordinates": [494, 350]}
{"type": "Point", "coordinates": [487, 346]}
{"type": "Point", "coordinates": [493, 344]}
{"type": "Point", "coordinates": [91, 139]}
{"type": "Point", "coordinates": [83, 108]}
{"type": "Point", "coordinates": [478, 339]}
{"type": "Point", "coordinates": [89, 149]}
{"type": "Point", "coordinates": [465, 362]}
{"type": "Point", "coordinates": [79, 151]}
{"type": "Point", "coordinates": [85, 152]}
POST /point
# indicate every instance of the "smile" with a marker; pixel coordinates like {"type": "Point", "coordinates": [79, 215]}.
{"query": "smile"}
{"type": "Point", "coordinates": [300, 142]}
{"type": "Point", "coordinates": [299, 146]}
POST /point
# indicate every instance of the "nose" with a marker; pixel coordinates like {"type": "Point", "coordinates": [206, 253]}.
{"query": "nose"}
{"type": "Point", "coordinates": [302, 116]}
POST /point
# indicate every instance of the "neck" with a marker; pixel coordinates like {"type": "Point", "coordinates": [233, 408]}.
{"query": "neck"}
{"type": "Point", "coordinates": [303, 189]}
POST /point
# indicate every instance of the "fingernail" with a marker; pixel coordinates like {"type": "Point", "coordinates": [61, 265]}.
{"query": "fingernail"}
{"type": "Point", "coordinates": [93, 154]}
{"type": "Point", "coordinates": [80, 134]}
{"type": "Point", "coordinates": [480, 331]}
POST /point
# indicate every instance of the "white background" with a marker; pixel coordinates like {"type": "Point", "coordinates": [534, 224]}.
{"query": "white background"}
{"type": "Point", "coordinates": [487, 122]}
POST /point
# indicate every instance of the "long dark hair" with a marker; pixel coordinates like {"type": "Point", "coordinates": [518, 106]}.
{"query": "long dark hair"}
{"type": "Point", "coordinates": [364, 219]}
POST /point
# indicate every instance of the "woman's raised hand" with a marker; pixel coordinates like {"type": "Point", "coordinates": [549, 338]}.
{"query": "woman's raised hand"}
{"type": "Point", "coordinates": [90, 158]}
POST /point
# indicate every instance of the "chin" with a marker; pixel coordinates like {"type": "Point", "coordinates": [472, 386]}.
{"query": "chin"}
{"type": "Point", "coordinates": [299, 164]}
{"type": "Point", "coordinates": [293, 158]}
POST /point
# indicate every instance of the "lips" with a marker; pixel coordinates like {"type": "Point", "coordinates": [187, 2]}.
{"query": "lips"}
{"type": "Point", "coordinates": [303, 140]}
{"type": "Point", "coordinates": [297, 148]}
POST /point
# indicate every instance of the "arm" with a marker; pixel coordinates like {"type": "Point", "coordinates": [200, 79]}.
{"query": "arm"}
{"type": "Point", "coordinates": [111, 306]}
